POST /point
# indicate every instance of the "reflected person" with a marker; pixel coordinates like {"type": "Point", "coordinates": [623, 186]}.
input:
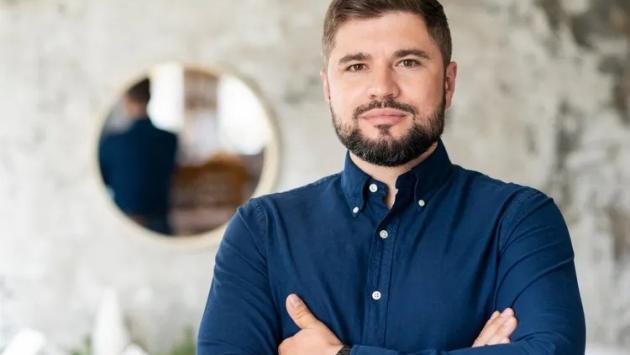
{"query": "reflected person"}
{"type": "Point", "coordinates": [402, 252]}
{"type": "Point", "coordinates": [138, 164]}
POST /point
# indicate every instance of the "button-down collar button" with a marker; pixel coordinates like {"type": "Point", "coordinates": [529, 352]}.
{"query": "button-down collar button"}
{"type": "Point", "coordinates": [421, 203]}
{"type": "Point", "coordinates": [355, 210]}
{"type": "Point", "coordinates": [383, 234]}
{"type": "Point", "coordinates": [373, 187]}
{"type": "Point", "coordinates": [376, 295]}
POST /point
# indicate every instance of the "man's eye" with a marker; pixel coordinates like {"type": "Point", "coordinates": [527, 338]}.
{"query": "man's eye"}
{"type": "Point", "coordinates": [409, 63]}
{"type": "Point", "coordinates": [356, 67]}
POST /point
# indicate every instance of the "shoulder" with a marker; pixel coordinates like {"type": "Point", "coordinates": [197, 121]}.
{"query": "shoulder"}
{"type": "Point", "coordinates": [298, 197]}
{"type": "Point", "coordinates": [514, 202]}
{"type": "Point", "coordinates": [167, 134]}
{"type": "Point", "coordinates": [485, 184]}
{"type": "Point", "coordinates": [160, 132]}
{"type": "Point", "coordinates": [509, 195]}
{"type": "Point", "coordinates": [110, 144]}
{"type": "Point", "coordinates": [255, 216]}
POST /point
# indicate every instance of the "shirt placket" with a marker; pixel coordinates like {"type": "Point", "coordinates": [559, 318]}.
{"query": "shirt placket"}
{"type": "Point", "coordinates": [379, 273]}
{"type": "Point", "coordinates": [387, 237]}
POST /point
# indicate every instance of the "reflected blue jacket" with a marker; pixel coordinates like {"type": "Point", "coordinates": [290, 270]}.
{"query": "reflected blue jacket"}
{"type": "Point", "coordinates": [420, 278]}
{"type": "Point", "coordinates": [138, 166]}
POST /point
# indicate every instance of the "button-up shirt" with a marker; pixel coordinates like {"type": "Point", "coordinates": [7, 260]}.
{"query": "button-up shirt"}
{"type": "Point", "coordinates": [420, 278]}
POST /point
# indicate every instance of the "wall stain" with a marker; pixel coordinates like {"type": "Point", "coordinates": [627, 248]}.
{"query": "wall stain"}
{"type": "Point", "coordinates": [554, 12]}
{"type": "Point", "coordinates": [620, 231]}
{"type": "Point", "coordinates": [604, 20]}
{"type": "Point", "coordinates": [568, 131]}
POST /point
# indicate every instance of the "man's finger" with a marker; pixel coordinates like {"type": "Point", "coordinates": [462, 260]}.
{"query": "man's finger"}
{"type": "Point", "coordinates": [503, 331]}
{"type": "Point", "coordinates": [491, 327]}
{"type": "Point", "coordinates": [486, 328]}
{"type": "Point", "coordinates": [300, 314]}
{"type": "Point", "coordinates": [493, 317]}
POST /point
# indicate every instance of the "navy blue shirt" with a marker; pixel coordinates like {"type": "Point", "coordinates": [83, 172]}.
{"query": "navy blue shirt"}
{"type": "Point", "coordinates": [420, 278]}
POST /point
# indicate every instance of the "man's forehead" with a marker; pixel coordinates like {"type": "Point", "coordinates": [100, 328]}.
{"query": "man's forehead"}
{"type": "Point", "coordinates": [390, 32]}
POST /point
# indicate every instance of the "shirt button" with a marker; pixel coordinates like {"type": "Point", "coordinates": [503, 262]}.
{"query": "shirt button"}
{"type": "Point", "coordinates": [373, 187]}
{"type": "Point", "coordinates": [422, 203]}
{"type": "Point", "coordinates": [383, 234]}
{"type": "Point", "coordinates": [355, 210]}
{"type": "Point", "coordinates": [376, 295]}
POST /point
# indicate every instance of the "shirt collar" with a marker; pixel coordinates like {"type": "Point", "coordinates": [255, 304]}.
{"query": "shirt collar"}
{"type": "Point", "coordinates": [422, 179]}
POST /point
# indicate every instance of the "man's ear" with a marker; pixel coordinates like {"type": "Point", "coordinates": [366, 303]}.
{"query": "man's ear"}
{"type": "Point", "coordinates": [449, 82]}
{"type": "Point", "coordinates": [325, 85]}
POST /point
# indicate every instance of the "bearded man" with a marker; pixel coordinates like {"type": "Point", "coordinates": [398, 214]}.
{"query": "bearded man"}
{"type": "Point", "coordinates": [402, 252]}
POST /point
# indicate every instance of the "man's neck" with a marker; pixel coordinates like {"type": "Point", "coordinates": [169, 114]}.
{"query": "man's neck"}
{"type": "Point", "coordinates": [139, 116]}
{"type": "Point", "coordinates": [389, 174]}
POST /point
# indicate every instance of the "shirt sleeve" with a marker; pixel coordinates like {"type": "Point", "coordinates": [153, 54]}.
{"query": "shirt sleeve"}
{"type": "Point", "coordinates": [537, 278]}
{"type": "Point", "coordinates": [240, 316]}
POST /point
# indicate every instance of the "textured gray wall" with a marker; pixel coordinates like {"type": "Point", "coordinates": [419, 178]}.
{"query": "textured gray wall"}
{"type": "Point", "coordinates": [543, 99]}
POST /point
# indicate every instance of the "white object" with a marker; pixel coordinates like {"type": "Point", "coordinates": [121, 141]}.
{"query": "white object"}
{"type": "Point", "coordinates": [134, 349]}
{"type": "Point", "coordinates": [110, 335]}
{"type": "Point", "coordinates": [26, 342]}
{"type": "Point", "coordinates": [376, 295]}
{"type": "Point", "coordinates": [383, 234]}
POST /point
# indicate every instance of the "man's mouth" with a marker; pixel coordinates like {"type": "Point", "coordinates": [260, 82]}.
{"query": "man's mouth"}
{"type": "Point", "coordinates": [380, 116]}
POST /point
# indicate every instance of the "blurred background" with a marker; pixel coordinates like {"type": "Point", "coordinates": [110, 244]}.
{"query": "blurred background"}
{"type": "Point", "coordinates": [543, 99]}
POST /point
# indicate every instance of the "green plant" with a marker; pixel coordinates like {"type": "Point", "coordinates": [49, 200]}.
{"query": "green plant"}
{"type": "Point", "coordinates": [86, 349]}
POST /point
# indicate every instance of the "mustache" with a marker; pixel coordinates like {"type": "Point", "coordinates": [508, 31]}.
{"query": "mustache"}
{"type": "Point", "coordinates": [389, 103]}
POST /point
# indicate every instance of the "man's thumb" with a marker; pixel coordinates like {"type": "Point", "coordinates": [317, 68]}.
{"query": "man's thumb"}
{"type": "Point", "coordinates": [300, 314]}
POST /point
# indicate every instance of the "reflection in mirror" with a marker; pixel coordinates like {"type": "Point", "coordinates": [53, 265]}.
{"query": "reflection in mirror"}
{"type": "Point", "coordinates": [183, 148]}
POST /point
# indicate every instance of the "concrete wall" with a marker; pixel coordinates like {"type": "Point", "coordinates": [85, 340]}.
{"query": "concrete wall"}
{"type": "Point", "coordinates": [543, 99]}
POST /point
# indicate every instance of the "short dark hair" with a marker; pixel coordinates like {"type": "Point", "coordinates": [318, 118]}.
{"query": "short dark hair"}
{"type": "Point", "coordinates": [140, 92]}
{"type": "Point", "coordinates": [431, 11]}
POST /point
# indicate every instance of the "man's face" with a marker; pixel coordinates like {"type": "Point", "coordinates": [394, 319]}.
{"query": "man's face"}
{"type": "Point", "coordinates": [132, 108]}
{"type": "Point", "coordinates": [387, 88]}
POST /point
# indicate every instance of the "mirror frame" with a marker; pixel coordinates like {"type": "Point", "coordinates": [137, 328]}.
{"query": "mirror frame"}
{"type": "Point", "coordinates": [212, 238]}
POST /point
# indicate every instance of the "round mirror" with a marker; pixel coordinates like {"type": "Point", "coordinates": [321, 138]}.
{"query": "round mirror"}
{"type": "Point", "coordinates": [183, 147]}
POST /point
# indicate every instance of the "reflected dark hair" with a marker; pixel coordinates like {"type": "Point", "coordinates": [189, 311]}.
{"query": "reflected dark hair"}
{"type": "Point", "coordinates": [140, 92]}
{"type": "Point", "coordinates": [431, 11]}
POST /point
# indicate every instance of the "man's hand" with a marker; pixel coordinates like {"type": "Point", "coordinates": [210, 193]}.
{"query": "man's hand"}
{"type": "Point", "coordinates": [497, 329]}
{"type": "Point", "coordinates": [314, 336]}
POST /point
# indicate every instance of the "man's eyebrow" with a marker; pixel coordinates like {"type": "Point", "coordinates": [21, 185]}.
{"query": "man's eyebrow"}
{"type": "Point", "coordinates": [353, 57]}
{"type": "Point", "coordinates": [406, 52]}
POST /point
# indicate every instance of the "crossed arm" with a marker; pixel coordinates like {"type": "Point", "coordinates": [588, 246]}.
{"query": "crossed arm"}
{"type": "Point", "coordinates": [536, 278]}
{"type": "Point", "coordinates": [314, 337]}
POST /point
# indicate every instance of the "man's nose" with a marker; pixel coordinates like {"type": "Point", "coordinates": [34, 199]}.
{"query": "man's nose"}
{"type": "Point", "coordinates": [383, 85]}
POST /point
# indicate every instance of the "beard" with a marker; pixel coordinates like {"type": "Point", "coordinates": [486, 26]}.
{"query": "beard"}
{"type": "Point", "coordinates": [387, 151]}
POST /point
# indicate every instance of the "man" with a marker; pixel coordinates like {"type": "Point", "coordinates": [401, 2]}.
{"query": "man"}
{"type": "Point", "coordinates": [402, 252]}
{"type": "Point", "coordinates": [138, 164]}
